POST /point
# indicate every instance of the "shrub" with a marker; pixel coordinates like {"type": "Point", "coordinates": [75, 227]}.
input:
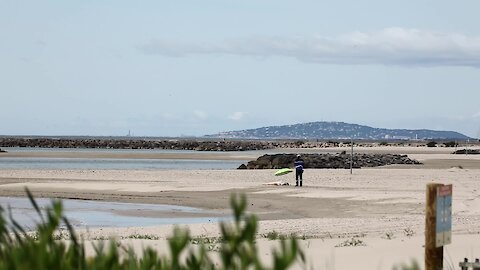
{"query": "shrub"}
{"type": "Point", "coordinates": [299, 143]}
{"type": "Point", "coordinates": [450, 144]}
{"type": "Point", "coordinates": [413, 266]}
{"type": "Point", "coordinates": [432, 144]}
{"type": "Point", "coordinates": [335, 143]}
{"type": "Point", "coordinates": [273, 235]}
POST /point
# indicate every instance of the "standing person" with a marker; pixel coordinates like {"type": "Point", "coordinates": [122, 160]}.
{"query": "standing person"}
{"type": "Point", "coordinates": [299, 164]}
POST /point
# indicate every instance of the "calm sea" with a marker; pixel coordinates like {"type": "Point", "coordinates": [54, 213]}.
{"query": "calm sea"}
{"type": "Point", "coordinates": [112, 163]}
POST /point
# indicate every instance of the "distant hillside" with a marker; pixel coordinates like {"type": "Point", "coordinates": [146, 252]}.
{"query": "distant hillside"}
{"type": "Point", "coordinates": [336, 130]}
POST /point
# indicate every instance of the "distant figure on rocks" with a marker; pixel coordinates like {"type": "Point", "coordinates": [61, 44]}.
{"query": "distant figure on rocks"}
{"type": "Point", "coordinates": [299, 164]}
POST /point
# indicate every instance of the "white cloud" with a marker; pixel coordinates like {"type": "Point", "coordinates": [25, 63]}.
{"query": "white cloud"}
{"type": "Point", "coordinates": [391, 46]}
{"type": "Point", "coordinates": [200, 114]}
{"type": "Point", "coordinates": [237, 116]}
{"type": "Point", "coordinates": [477, 115]}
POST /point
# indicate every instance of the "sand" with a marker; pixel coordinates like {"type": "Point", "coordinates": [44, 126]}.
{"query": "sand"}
{"type": "Point", "coordinates": [383, 207]}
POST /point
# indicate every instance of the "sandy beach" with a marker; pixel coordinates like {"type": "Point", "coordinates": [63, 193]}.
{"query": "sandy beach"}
{"type": "Point", "coordinates": [383, 207]}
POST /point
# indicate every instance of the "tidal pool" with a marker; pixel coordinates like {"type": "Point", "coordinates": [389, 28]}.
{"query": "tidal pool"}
{"type": "Point", "coordinates": [83, 213]}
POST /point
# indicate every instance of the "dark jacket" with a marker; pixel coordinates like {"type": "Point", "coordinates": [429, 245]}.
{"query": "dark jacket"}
{"type": "Point", "coordinates": [299, 164]}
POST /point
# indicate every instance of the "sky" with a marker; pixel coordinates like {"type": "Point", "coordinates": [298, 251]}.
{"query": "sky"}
{"type": "Point", "coordinates": [190, 68]}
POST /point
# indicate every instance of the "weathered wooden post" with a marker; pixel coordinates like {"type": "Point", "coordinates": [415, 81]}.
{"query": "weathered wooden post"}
{"type": "Point", "coordinates": [351, 157]}
{"type": "Point", "coordinates": [438, 224]}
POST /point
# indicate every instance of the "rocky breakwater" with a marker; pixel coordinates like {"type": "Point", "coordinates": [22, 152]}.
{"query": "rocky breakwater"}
{"type": "Point", "coordinates": [467, 152]}
{"type": "Point", "coordinates": [136, 144]}
{"type": "Point", "coordinates": [328, 161]}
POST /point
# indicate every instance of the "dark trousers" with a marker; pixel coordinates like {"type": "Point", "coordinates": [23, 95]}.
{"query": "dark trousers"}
{"type": "Point", "coordinates": [298, 175]}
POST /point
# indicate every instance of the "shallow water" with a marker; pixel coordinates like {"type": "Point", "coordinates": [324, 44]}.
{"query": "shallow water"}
{"type": "Point", "coordinates": [106, 214]}
{"type": "Point", "coordinates": [113, 163]}
{"type": "Point", "coordinates": [116, 164]}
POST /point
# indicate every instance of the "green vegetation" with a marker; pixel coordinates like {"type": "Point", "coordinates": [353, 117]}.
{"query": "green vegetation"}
{"type": "Point", "coordinates": [353, 242]}
{"type": "Point", "coordinates": [43, 249]}
{"type": "Point", "coordinates": [211, 243]}
{"type": "Point", "coordinates": [143, 236]}
{"type": "Point", "coordinates": [408, 232]}
{"type": "Point", "coordinates": [274, 235]}
{"type": "Point", "coordinates": [414, 266]}
{"type": "Point", "coordinates": [450, 144]}
{"type": "Point", "coordinates": [389, 235]}
{"type": "Point", "coordinates": [299, 143]}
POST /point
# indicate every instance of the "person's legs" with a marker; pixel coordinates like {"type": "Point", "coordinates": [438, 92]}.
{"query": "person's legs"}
{"type": "Point", "coordinates": [301, 178]}
{"type": "Point", "coordinates": [297, 174]}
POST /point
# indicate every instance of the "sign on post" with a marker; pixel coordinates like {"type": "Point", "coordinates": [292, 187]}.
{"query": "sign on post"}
{"type": "Point", "coordinates": [438, 224]}
{"type": "Point", "coordinates": [443, 231]}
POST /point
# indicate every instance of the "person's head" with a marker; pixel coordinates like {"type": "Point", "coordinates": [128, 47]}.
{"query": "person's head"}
{"type": "Point", "coordinates": [298, 157]}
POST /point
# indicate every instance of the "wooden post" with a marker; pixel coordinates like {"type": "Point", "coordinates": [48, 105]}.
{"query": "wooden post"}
{"type": "Point", "coordinates": [466, 147]}
{"type": "Point", "coordinates": [351, 157]}
{"type": "Point", "coordinates": [433, 255]}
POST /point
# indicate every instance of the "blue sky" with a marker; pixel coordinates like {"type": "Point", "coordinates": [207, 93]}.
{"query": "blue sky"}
{"type": "Point", "coordinates": [179, 68]}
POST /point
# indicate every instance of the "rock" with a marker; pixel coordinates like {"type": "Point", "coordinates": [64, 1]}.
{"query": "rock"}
{"type": "Point", "coordinates": [328, 161]}
{"type": "Point", "coordinates": [118, 143]}
{"type": "Point", "coordinates": [242, 167]}
{"type": "Point", "coordinates": [467, 152]}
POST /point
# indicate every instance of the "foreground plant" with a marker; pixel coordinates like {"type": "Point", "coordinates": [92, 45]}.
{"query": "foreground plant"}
{"type": "Point", "coordinates": [42, 250]}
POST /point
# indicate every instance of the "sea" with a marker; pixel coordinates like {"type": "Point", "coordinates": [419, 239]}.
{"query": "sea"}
{"type": "Point", "coordinates": [115, 163]}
